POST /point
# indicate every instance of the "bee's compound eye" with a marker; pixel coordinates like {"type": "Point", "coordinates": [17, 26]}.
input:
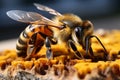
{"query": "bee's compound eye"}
{"type": "Point", "coordinates": [78, 32]}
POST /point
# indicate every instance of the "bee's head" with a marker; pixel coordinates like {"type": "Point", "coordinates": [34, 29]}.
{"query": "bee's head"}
{"type": "Point", "coordinates": [80, 32]}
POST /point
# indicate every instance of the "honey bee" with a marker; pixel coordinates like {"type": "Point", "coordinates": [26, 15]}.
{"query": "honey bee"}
{"type": "Point", "coordinates": [63, 28]}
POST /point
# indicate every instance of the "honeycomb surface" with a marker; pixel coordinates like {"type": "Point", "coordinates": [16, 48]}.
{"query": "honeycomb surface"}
{"type": "Point", "coordinates": [65, 66]}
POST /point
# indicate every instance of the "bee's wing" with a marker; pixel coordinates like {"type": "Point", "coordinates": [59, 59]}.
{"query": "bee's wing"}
{"type": "Point", "coordinates": [45, 8]}
{"type": "Point", "coordinates": [28, 17]}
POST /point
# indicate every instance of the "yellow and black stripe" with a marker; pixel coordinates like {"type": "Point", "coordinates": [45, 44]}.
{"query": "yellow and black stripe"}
{"type": "Point", "coordinates": [27, 34]}
{"type": "Point", "coordinates": [21, 45]}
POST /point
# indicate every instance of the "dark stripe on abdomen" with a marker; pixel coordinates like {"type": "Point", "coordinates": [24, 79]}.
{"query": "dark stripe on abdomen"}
{"type": "Point", "coordinates": [20, 41]}
{"type": "Point", "coordinates": [21, 54]}
{"type": "Point", "coordinates": [21, 45]}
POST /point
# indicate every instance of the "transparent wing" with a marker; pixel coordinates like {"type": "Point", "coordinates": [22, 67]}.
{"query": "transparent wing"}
{"type": "Point", "coordinates": [28, 17]}
{"type": "Point", "coordinates": [31, 17]}
{"type": "Point", "coordinates": [45, 8]}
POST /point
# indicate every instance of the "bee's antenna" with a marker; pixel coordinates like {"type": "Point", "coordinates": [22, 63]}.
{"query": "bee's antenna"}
{"type": "Point", "coordinates": [88, 45]}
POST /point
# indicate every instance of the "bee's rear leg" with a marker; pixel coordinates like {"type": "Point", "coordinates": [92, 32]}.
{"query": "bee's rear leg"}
{"type": "Point", "coordinates": [74, 48]}
{"type": "Point", "coordinates": [49, 53]}
{"type": "Point", "coordinates": [34, 45]}
{"type": "Point", "coordinates": [30, 49]}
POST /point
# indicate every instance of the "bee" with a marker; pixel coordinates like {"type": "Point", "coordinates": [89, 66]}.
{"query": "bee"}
{"type": "Point", "coordinates": [63, 28]}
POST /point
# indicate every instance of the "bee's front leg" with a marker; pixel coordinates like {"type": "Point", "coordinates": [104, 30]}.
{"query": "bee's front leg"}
{"type": "Point", "coordinates": [74, 48]}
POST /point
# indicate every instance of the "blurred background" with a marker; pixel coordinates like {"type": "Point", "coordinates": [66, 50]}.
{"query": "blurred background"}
{"type": "Point", "coordinates": [103, 13]}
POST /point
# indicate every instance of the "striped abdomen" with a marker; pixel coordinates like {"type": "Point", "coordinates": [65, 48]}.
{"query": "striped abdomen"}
{"type": "Point", "coordinates": [27, 34]}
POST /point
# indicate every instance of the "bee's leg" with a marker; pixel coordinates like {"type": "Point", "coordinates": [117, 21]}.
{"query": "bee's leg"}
{"type": "Point", "coordinates": [30, 49]}
{"type": "Point", "coordinates": [34, 45]}
{"type": "Point", "coordinates": [74, 48]}
{"type": "Point", "coordinates": [49, 53]}
{"type": "Point", "coordinates": [30, 46]}
{"type": "Point", "coordinates": [90, 49]}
